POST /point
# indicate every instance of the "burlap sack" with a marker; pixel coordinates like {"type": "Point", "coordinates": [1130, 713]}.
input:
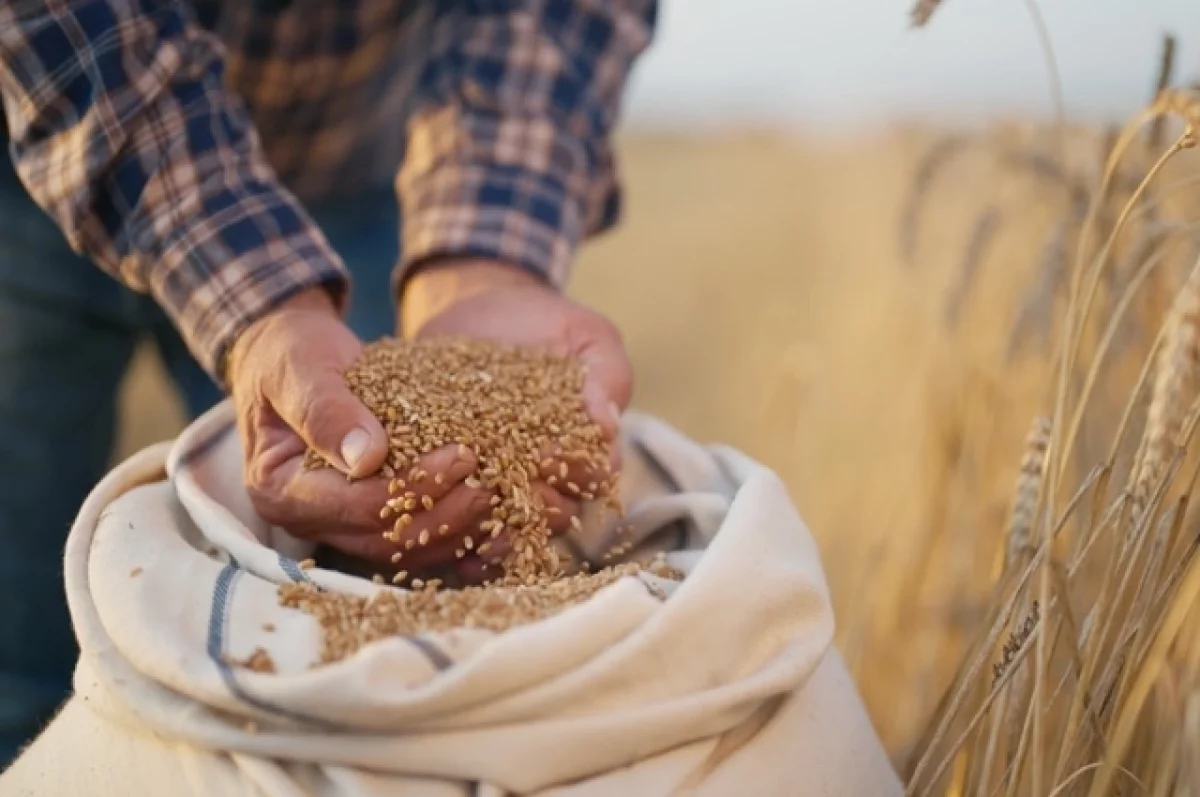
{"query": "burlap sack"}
{"type": "Point", "coordinates": [727, 686]}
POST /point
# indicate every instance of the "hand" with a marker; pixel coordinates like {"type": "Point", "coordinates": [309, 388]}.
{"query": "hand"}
{"type": "Point", "coordinates": [495, 301]}
{"type": "Point", "coordinates": [286, 373]}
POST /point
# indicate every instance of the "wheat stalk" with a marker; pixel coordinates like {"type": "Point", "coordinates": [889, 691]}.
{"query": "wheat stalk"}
{"type": "Point", "coordinates": [1178, 367]}
{"type": "Point", "coordinates": [1066, 699]}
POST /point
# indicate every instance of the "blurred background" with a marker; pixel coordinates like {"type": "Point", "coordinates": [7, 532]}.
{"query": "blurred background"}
{"type": "Point", "coordinates": [834, 257]}
{"type": "Point", "coordinates": [848, 66]}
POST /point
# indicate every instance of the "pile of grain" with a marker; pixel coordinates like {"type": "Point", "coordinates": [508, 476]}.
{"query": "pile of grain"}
{"type": "Point", "coordinates": [349, 622]}
{"type": "Point", "coordinates": [519, 411]}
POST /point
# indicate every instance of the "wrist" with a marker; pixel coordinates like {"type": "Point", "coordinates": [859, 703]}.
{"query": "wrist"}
{"type": "Point", "coordinates": [437, 284]}
{"type": "Point", "coordinates": [314, 300]}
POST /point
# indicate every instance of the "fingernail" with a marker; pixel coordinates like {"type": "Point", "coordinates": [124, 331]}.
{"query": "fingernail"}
{"type": "Point", "coordinates": [354, 445]}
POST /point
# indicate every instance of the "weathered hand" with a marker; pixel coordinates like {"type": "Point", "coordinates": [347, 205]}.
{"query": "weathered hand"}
{"type": "Point", "coordinates": [286, 374]}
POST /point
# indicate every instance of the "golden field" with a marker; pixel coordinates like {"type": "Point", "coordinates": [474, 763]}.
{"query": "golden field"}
{"type": "Point", "coordinates": [787, 296]}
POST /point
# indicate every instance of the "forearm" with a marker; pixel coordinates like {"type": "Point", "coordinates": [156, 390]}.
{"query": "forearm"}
{"type": "Point", "coordinates": [122, 131]}
{"type": "Point", "coordinates": [509, 153]}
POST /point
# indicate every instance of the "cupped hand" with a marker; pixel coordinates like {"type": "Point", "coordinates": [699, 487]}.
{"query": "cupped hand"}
{"type": "Point", "coordinates": [287, 378]}
{"type": "Point", "coordinates": [487, 300]}
{"type": "Point", "coordinates": [286, 374]}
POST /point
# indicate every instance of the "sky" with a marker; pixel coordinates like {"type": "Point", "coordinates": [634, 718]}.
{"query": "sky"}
{"type": "Point", "coordinates": [850, 63]}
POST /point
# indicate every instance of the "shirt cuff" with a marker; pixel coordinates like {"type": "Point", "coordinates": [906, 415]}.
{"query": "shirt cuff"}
{"type": "Point", "coordinates": [223, 274]}
{"type": "Point", "coordinates": [513, 190]}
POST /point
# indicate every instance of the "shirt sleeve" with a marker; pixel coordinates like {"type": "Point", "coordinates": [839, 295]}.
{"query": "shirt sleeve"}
{"type": "Point", "coordinates": [122, 131]}
{"type": "Point", "coordinates": [508, 153]}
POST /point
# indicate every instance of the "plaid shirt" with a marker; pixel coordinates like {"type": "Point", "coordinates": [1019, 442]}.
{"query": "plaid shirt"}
{"type": "Point", "coordinates": [170, 143]}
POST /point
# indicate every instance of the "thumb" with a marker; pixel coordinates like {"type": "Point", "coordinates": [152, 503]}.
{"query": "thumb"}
{"type": "Point", "coordinates": [332, 421]}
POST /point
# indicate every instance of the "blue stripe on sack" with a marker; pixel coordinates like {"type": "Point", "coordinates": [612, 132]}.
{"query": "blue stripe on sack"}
{"type": "Point", "coordinates": [436, 657]}
{"type": "Point", "coordinates": [218, 621]}
{"type": "Point", "coordinates": [291, 568]}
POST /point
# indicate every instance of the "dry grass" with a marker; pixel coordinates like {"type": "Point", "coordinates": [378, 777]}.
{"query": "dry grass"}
{"type": "Point", "coordinates": [1015, 603]}
{"type": "Point", "coordinates": [1092, 691]}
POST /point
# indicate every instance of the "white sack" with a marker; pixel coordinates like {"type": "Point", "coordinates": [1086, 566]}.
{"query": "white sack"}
{"type": "Point", "coordinates": [728, 686]}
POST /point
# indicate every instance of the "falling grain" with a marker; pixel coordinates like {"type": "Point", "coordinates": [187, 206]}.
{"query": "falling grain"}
{"type": "Point", "coordinates": [507, 404]}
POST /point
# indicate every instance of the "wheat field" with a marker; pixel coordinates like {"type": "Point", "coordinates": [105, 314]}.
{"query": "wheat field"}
{"type": "Point", "coordinates": [877, 319]}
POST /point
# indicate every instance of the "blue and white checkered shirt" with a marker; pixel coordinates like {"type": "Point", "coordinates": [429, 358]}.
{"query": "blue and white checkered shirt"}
{"type": "Point", "coordinates": [170, 141]}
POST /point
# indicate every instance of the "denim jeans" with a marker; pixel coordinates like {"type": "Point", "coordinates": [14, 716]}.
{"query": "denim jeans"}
{"type": "Point", "coordinates": [67, 333]}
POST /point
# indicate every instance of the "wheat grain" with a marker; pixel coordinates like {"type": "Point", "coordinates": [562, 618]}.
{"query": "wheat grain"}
{"type": "Point", "coordinates": [348, 622]}
{"type": "Point", "coordinates": [1175, 380]}
{"type": "Point", "coordinates": [511, 408]}
{"type": "Point", "coordinates": [922, 11]}
{"type": "Point", "coordinates": [258, 661]}
{"type": "Point", "coordinates": [1025, 497]}
{"type": "Point", "coordinates": [518, 413]}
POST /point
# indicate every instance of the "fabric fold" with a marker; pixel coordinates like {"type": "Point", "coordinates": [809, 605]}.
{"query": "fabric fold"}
{"type": "Point", "coordinates": [172, 579]}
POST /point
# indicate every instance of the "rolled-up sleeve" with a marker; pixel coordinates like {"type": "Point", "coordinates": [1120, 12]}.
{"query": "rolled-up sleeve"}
{"type": "Point", "coordinates": [122, 130]}
{"type": "Point", "coordinates": [509, 153]}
